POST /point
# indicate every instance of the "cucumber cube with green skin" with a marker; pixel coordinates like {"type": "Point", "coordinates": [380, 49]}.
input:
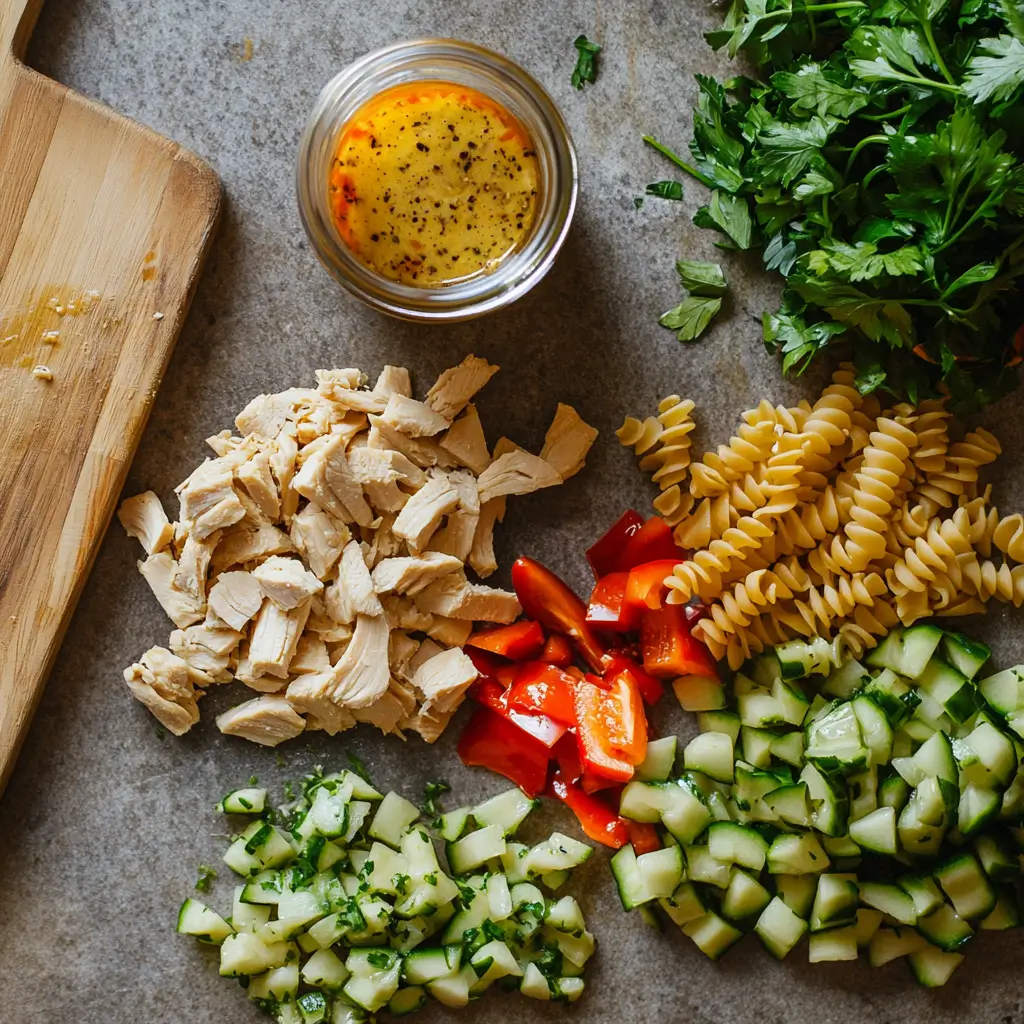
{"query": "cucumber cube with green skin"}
{"type": "Point", "coordinates": [889, 899]}
{"type": "Point", "coordinates": [244, 954]}
{"type": "Point", "coordinates": [964, 654]}
{"type": "Point", "coordinates": [660, 758]}
{"type": "Point", "coordinates": [699, 693]}
{"type": "Point", "coordinates": [924, 892]}
{"type": "Point", "coordinates": [834, 741]}
{"type": "Point", "coordinates": [797, 892]}
{"type": "Point", "coordinates": [557, 853]}
{"type": "Point", "coordinates": [874, 729]}
{"type": "Point", "coordinates": [712, 754]}
{"type": "Point", "coordinates": [745, 896]}
{"type": "Point", "coordinates": [757, 746]}
{"type": "Point", "coordinates": [796, 855]}
{"type": "Point", "coordinates": [1005, 914]}
{"type": "Point", "coordinates": [889, 944]}
{"type": "Point", "coordinates": [685, 813]}
{"type": "Point", "coordinates": [949, 688]}
{"type": "Point", "coordinates": [452, 824]}
{"type": "Point", "coordinates": [945, 928]}
{"type": "Point", "coordinates": [660, 871]}
{"type": "Point", "coordinates": [394, 815]}
{"type": "Point", "coordinates": [868, 922]}
{"type": "Point", "coordinates": [325, 970]}
{"type": "Point", "coordinates": [280, 984]}
{"type": "Point", "coordinates": [994, 761]}
{"type": "Point", "coordinates": [876, 831]}
{"type": "Point", "coordinates": [313, 1006]}
{"type": "Point", "coordinates": [407, 1000]}
{"type": "Point", "coordinates": [835, 903]}
{"type": "Point", "coordinates": [830, 798]}
{"type": "Point", "coordinates": [1004, 691]}
{"type": "Point", "coordinates": [833, 945]}
{"type": "Point", "coordinates": [907, 651]}
{"type": "Point", "coordinates": [847, 680]}
{"type": "Point", "coordinates": [684, 905]}
{"type": "Point", "coordinates": [789, 747]}
{"type": "Point", "coordinates": [731, 843]}
{"type": "Point", "coordinates": [966, 886]}
{"type": "Point", "coordinates": [712, 935]}
{"type": "Point", "coordinates": [198, 920]}
{"type": "Point", "coordinates": [703, 867]}
{"type": "Point", "coordinates": [719, 721]}
{"type": "Point", "coordinates": [932, 967]}
{"type": "Point", "coordinates": [244, 801]}
{"type": "Point", "coordinates": [507, 810]}
{"type": "Point", "coordinates": [791, 804]}
{"type": "Point", "coordinates": [893, 792]}
{"type": "Point", "coordinates": [978, 806]}
{"type": "Point", "coordinates": [997, 856]}
{"type": "Point", "coordinates": [779, 928]}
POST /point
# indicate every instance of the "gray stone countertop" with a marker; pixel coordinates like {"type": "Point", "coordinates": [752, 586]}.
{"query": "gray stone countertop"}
{"type": "Point", "coordinates": [103, 824]}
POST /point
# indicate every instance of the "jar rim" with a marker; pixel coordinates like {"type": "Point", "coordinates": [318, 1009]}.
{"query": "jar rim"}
{"type": "Point", "coordinates": [468, 64]}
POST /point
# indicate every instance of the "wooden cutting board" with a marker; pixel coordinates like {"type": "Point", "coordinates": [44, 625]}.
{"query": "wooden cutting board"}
{"type": "Point", "coordinates": [104, 226]}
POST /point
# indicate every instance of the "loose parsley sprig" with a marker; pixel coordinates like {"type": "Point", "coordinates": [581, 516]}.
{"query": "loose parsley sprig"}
{"type": "Point", "coordinates": [586, 62]}
{"type": "Point", "coordinates": [706, 284]}
{"type": "Point", "coordinates": [874, 162]}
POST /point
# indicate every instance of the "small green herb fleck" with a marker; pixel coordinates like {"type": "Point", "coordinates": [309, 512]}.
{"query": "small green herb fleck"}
{"type": "Point", "coordinates": [161, 733]}
{"type": "Point", "coordinates": [379, 960]}
{"type": "Point", "coordinates": [207, 876]}
{"type": "Point", "coordinates": [586, 62]}
{"type": "Point", "coordinates": [666, 190]}
{"type": "Point", "coordinates": [432, 793]}
{"type": "Point", "coordinates": [358, 766]}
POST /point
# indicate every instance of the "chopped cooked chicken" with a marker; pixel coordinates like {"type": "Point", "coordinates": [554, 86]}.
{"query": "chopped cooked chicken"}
{"type": "Point", "coordinates": [567, 442]}
{"type": "Point", "coordinates": [481, 555]}
{"type": "Point", "coordinates": [384, 543]}
{"type": "Point", "coordinates": [455, 538]}
{"type": "Point", "coordinates": [443, 679]}
{"type": "Point", "coordinates": [353, 592]}
{"type": "Point", "coordinates": [310, 655]}
{"type": "Point", "coordinates": [245, 673]}
{"type": "Point", "coordinates": [275, 635]}
{"type": "Point", "coordinates": [256, 477]}
{"type": "Point", "coordinates": [345, 391]}
{"type": "Point", "coordinates": [182, 608]}
{"type": "Point", "coordinates": [194, 565]}
{"type": "Point", "coordinates": [456, 598]}
{"type": "Point", "coordinates": [401, 647]}
{"type": "Point", "coordinates": [516, 472]}
{"type": "Point", "coordinates": [362, 675]}
{"type": "Point", "coordinates": [410, 575]}
{"type": "Point", "coordinates": [450, 632]}
{"type": "Point", "coordinates": [144, 518]}
{"type": "Point", "coordinates": [455, 387]}
{"type": "Point", "coordinates": [250, 544]}
{"type": "Point", "coordinates": [208, 498]}
{"type": "Point", "coordinates": [380, 472]}
{"type": "Point", "coordinates": [402, 613]}
{"type": "Point", "coordinates": [207, 650]}
{"type": "Point", "coordinates": [265, 416]}
{"type": "Point", "coordinates": [326, 478]}
{"type": "Point", "coordinates": [427, 650]}
{"type": "Point", "coordinates": [223, 442]}
{"type": "Point", "coordinates": [412, 418]}
{"type": "Point", "coordinates": [424, 511]}
{"type": "Point", "coordinates": [321, 623]}
{"type": "Point", "coordinates": [265, 720]}
{"type": "Point", "coordinates": [320, 538]}
{"type": "Point", "coordinates": [165, 684]}
{"type": "Point", "coordinates": [386, 713]}
{"type": "Point", "coordinates": [421, 451]}
{"type": "Point", "coordinates": [394, 380]}
{"type": "Point", "coordinates": [308, 694]}
{"type": "Point", "coordinates": [349, 378]}
{"type": "Point", "coordinates": [430, 724]}
{"type": "Point", "coordinates": [286, 581]}
{"type": "Point", "coordinates": [465, 441]}
{"type": "Point", "coordinates": [235, 598]}
{"type": "Point", "coordinates": [282, 464]}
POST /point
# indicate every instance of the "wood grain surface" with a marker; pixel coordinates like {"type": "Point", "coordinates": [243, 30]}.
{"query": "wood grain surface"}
{"type": "Point", "coordinates": [104, 226]}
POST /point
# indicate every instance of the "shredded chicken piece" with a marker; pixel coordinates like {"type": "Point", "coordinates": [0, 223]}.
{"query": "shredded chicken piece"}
{"type": "Point", "coordinates": [456, 598]}
{"type": "Point", "coordinates": [466, 442]}
{"type": "Point", "coordinates": [362, 674]}
{"type": "Point", "coordinates": [319, 538]}
{"type": "Point", "coordinates": [182, 608]}
{"type": "Point", "coordinates": [387, 714]}
{"type": "Point", "coordinates": [450, 632]}
{"type": "Point", "coordinates": [394, 380]}
{"type": "Point", "coordinates": [326, 478]}
{"type": "Point", "coordinates": [308, 695]}
{"type": "Point", "coordinates": [430, 724]}
{"type": "Point", "coordinates": [207, 650]}
{"type": "Point", "coordinates": [311, 655]}
{"type": "Point", "coordinates": [516, 472]}
{"type": "Point", "coordinates": [353, 593]}
{"type": "Point", "coordinates": [567, 442]}
{"type": "Point", "coordinates": [265, 416]}
{"type": "Point", "coordinates": [412, 418]}
{"type": "Point", "coordinates": [208, 498]}
{"type": "Point", "coordinates": [286, 581]}
{"type": "Point", "coordinates": [256, 477]}
{"type": "Point", "coordinates": [455, 387]}
{"type": "Point", "coordinates": [424, 511]}
{"type": "Point", "coordinates": [481, 555]}
{"type": "Point", "coordinates": [443, 679]}
{"type": "Point", "coordinates": [235, 598]}
{"type": "Point", "coordinates": [265, 720]}
{"type": "Point", "coordinates": [165, 684]}
{"type": "Point", "coordinates": [409, 575]}
{"type": "Point", "coordinates": [421, 451]}
{"type": "Point", "coordinates": [248, 544]}
{"type": "Point", "coordinates": [144, 518]}
{"type": "Point", "coordinates": [274, 638]}
{"type": "Point", "coordinates": [401, 647]}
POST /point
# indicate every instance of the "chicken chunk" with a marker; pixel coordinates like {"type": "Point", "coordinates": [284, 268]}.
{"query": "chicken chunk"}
{"type": "Point", "coordinates": [245, 673]}
{"type": "Point", "coordinates": [411, 574]}
{"type": "Point", "coordinates": [362, 675]}
{"type": "Point", "coordinates": [353, 592]}
{"type": "Point", "coordinates": [456, 598]}
{"type": "Point", "coordinates": [444, 679]}
{"type": "Point", "coordinates": [481, 555]}
{"type": "Point", "coordinates": [182, 608]}
{"type": "Point", "coordinates": [450, 632]}
{"type": "Point", "coordinates": [320, 539]}
{"type": "Point", "coordinates": [393, 380]}
{"type": "Point", "coordinates": [165, 684]}
{"type": "Point", "coordinates": [424, 511]}
{"type": "Point", "coordinates": [208, 498]}
{"type": "Point", "coordinates": [325, 478]}
{"type": "Point", "coordinates": [387, 714]}
{"type": "Point", "coordinates": [194, 565]}
{"type": "Point", "coordinates": [274, 638]}
{"type": "Point", "coordinates": [567, 442]}
{"type": "Point", "coordinates": [265, 720]}
{"type": "Point", "coordinates": [256, 477]}
{"type": "Point", "coordinates": [453, 390]}
{"type": "Point", "coordinates": [207, 650]}
{"type": "Point", "coordinates": [516, 472]}
{"type": "Point", "coordinates": [282, 465]}
{"type": "Point", "coordinates": [401, 647]}
{"type": "Point", "coordinates": [235, 598]}
{"type": "Point", "coordinates": [430, 724]}
{"type": "Point", "coordinates": [380, 472]}
{"type": "Point", "coordinates": [412, 418]}
{"type": "Point", "coordinates": [402, 613]}
{"type": "Point", "coordinates": [286, 581]}
{"type": "Point", "coordinates": [346, 391]}
{"type": "Point", "coordinates": [421, 451]}
{"type": "Point", "coordinates": [265, 416]}
{"type": "Point", "coordinates": [250, 544]}
{"type": "Point", "coordinates": [466, 443]}
{"type": "Point", "coordinates": [308, 694]}
{"type": "Point", "coordinates": [143, 518]}
{"type": "Point", "coordinates": [311, 655]}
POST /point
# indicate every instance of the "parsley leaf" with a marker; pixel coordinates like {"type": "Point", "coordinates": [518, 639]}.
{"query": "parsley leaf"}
{"type": "Point", "coordinates": [666, 190]}
{"type": "Point", "coordinates": [586, 66]}
{"type": "Point", "coordinates": [813, 90]}
{"type": "Point", "coordinates": [997, 72]}
{"type": "Point", "coordinates": [690, 318]}
{"type": "Point", "coordinates": [700, 277]}
{"type": "Point", "coordinates": [730, 215]}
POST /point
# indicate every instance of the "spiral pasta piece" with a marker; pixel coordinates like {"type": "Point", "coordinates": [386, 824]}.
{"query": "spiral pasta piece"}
{"type": "Point", "coordinates": [640, 435]}
{"type": "Point", "coordinates": [751, 445]}
{"type": "Point", "coordinates": [1008, 536]}
{"type": "Point", "coordinates": [669, 461]}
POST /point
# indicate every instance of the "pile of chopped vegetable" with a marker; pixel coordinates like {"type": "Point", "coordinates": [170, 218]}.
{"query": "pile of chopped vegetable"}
{"type": "Point", "coordinates": [874, 160]}
{"type": "Point", "coordinates": [345, 908]}
{"type": "Point", "coordinates": [877, 807]}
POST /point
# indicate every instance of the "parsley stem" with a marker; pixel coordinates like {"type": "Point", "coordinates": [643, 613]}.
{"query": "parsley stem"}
{"type": "Point", "coordinates": [885, 117]}
{"type": "Point", "coordinates": [860, 145]}
{"type": "Point", "coordinates": [926, 24]}
{"type": "Point", "coordinates": [678, 161]}
{"type": "Point", "coordinates": [843, 6]}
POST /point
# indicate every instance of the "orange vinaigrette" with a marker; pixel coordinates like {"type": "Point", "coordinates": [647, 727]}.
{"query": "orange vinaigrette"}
{"type": "Point", "coordinates": [433, 184]}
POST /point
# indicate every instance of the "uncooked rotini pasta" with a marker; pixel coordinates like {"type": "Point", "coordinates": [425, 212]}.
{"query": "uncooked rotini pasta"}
{"type": "Point", "coordinates": [751, 445]}
{"type": "Point", "coordinates": [640, 435]}
{"type": "Point", "coordinates": [669, 460]}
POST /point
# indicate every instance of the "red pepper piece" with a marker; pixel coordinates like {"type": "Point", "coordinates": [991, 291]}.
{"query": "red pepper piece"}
{"type": "Point", "coordinates": [591, 783]}
{"type": "Point", "coordinates": [604, 554]}
{"type": "Point", "coordinates": [652, 542]}
{"type": "Point", "coordinates": [651, 688]}
{"type": "Point", "coordinates": [547, 599]}
{"type": "Point", "coordinates": [567, 757]}
{"type": "Point", "coordinates": [604, 725]}
{"type": "Point", "coordinates": [668, 648]}
{"type": "Point", "coordinates": [557, 651]}
{"type": "Point", "coordinates": [607, 608]}
{"type": "Point", "coordinates": [490, 741]}
{"type": "Point", "coordinates": [495, 697]}
{"type": "Point", "coordinates": [486, 664]}
{"type": "Point", "coordinates": [643, 836]}
{"type": "Point", "coordinates": [545, 689]}
{"type": "Point", "coordinates": [645, 586]}
{"type": "Point", "coordinates": [598, 820]}
{"type": "Point", "coordinates": [521, 641]}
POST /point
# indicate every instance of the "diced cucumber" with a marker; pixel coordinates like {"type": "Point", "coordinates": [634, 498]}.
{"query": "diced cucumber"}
{"type": "Point", "coordinates": [924, 892]}
{"type": "Point", "coordinates": [280, 984]}
{"type": "Point", "coordinates": [371, 986]}
{"type": "Point", "coordinates": [702, 867]}
{"type": "Point", "coordinates": [757, 746]}
{"type": "Point", "coordinates": [876, 831]}
{"type": "Point", "coordinates": [862, 789]}
{"type": "Point", "coordinates": [730, 843]}
{"type": "Point", "coordinates": [712, 754]}
{"type": "Point", "coordinates": [889, 899]}
{"type": "Point", "coordinates": [830, 798]}
{"type": "Point", "coordinates": [393, 817]}
{"type": "Point", "coordinates": [660, 872]}
{"type": "Point", "coordinates": [791, 702]}
{"type": "Point", "coordinates": [874, 729]}
{"type": "Point", "coordinates": [745, 897]}
{"type": "Point", "coordinates": [935, 758]}
{"type": "Point", "coordinates": [893, 792]}
{"type": "Point", "coordinates": [422, 966]}
{"type": "Point", "coordinates": [1004, 691]}
{"type": "Point", "coordinates": [965, 655]}
{"type": "Point", "coordinates": [720, 721]}
{"type": "Point", "coordinates": [453, 989]}
{"type": "Point", "coordinates": [892, 695]}
{"type": "Point", "coordinates": [759, 709]}
{"type": "Point", "coordinates": [492, 961]}
{"type": "Point", "coordinates": [244, 954]}
{"type": "Point", "coordinates": [945, 928]}
{"type": "Point", "coordinates": [995, 762]}
{"type": "Point", "coordinates": [406, 1001]}
{"type": "Point", "coordinates": [799, 658]}
{"type": "Point", "coordinates": [751, 787]}
{"type": "Point", "coordinates": [712, 935]}
{"type": "Point", "coordinates": [789, 747]}
{"type": "Point", "coordinates": [978, 806]}
{"type": "Point", "coordinates": [846, 680]}
{"type": "Point", "coordinates": [835, 903]}
{"type": "Point", "coordinates": [842, 851]}
{"type": "Point", "coordinates": [684, 811]}
{"type": "Point", "coordinates": [660, 757]}
{"type": "Point", "coordinates": [966, 886]}
{"type": "Point", "coordinates": [564, 915]}
{"type": "Point", "coordinates": [779, 928]}
{"type": "Point", "coordinates": [998, 859]}
{"type": "Point", "coordinates": [260, 846]}
{"type": "Point", "coordinates": [797, 892]}
{"type": "Point", "coordinates": [325, 970]}
{"type": "Point", "coordinates": [244, 801]}
{"type": "Point", "coordinates": [949, 688]}
{"type": "Point", "coordinates": [889, 944]}
{"type": "Point", "coordinates": [834, 741]}
{"type": "Point", "coordinates": [534, 984]}
{"type": "Point", "coordinates": [791, 804]}
{"type": "Point", "coordinates": [642, 801]}
{"type": "Point", "coordinates": [557, 853]}
{"type": "Point", "coordinates": [699, 693]}
{"type": "Point", "coordinates": [1005, 914]}
{"type": "Point", "coordinates": [476, 848]}
{"type": "Point", "coordinates": [197, 919]}
{"type": "Point", "coordinates": [499, 898]}
{"type": "Point", "coordinates": [244, 916]}
{"type": "Point", "coordinates": [933, 967]}
{"type": "Point", "coordinates": [907, 651]}
{"type": "Point", "coordinates": [833, 945]}
{"type": "Point", "coordinates": [452, 824]}
{"type": "Point", "coordinates": [796, 855]}
{"type": "Point", "coordinates": [684, 905]}
{"type": "Point", "coordinates": [868, 922]}
{"type": "Point", "coordinates": [766, 669]}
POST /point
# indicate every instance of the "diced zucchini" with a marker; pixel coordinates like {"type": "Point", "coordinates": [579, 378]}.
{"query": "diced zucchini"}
{"type": "Point", "coordinates": [907, 651]}
{"type": "Point", "coordinates": [779, 928]}
{"type": "Point", "coordinates": [393, 817]}
{"type": "Point", "coordinates": [891, 943]}
{"type": "Point", "coordinates": [731, 843]}
{"type": "Point", "coordinates": [835, 903]}
{"type": "Point", "coordinates": [699, 693]}
{"type": "Point", "coordinates": [835, 944]}
{"type": "Point", "coordinates": [796, 855]}
{"type": "Point", "coordinates": [876, 831]}
{"type": "Point", "coordinates": [507, 810]}
{"type": "Point", "coordinates": [244, 801]}
{"type": "Point", "coordinates": [712, 935]}
{"type": "Point", "coordinates": [945, 928]}
{"type": "Point", "coordinates": [889, 899]}
{"type": "Point", "coordinates": [712, 754]}
{"type": "Point", "coordinates": [932, 967]}
{"type": "Point", "coordinates": [965, 655]}
{"type": "Point", "coordinates": [198, 920]}
{"type": "Point", "coordinates": [557, 853]}
{"type": "Point", "coordinates": [966, 886]}
{"type": "Point", "coordinates": [745, 897]}
{"type": "Point", "coordinates": [660, 758]}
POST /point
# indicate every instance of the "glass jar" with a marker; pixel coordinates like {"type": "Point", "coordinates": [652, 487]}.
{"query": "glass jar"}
{"type": "Point", "coordinates": [444, 60]}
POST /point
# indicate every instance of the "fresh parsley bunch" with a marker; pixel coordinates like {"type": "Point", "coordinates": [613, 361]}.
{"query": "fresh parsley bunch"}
{"type": "Point", "coordinates": [875, 161]}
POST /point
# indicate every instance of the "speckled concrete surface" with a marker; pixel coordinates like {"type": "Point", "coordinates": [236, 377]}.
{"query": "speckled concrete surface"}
{"type": "Point", "coordinates": [103, 824]}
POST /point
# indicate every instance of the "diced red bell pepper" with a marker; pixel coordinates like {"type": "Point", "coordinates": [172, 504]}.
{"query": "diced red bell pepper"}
{"type": "Point", "coordinates": [598, 820]}
{"type": "Point", "coordinates": [544, 689]}
{"type": "Point", "coordinates": [521, 641]}
{"type": "Point", "coordinates": [605, 553]}
{"type": "Point", "coordinates": [651, 688]}
{"type": "Point", "coordinates": [540, 727]}
{"type": "Point", "coordinates": [694, 612]}
{"type": "Point", "coordinates": [652, 542]}
{"type": "Point", "coordinates": [645, 586]}
{"type": "Point", "coordinates": [608, 609]}
{"type": "Point", "coordinates": [605, 724]}
{"type": "Point", "coordinates": [591, 783]}
{"type": "Point", "coordinates": [486, 664]}
{"type": "Point", "coordinates": [547, 599]}
{"type": "Point", "coordinates": [557, 651]}
{"type": "Point", "coordinates": [490, 741]}
{"type": "Point", "coordinates": [642, 836]}
{"type": "Point", "coordinates": [668, 648]}
{"type": "Point", "coordinates": [567, 756]}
